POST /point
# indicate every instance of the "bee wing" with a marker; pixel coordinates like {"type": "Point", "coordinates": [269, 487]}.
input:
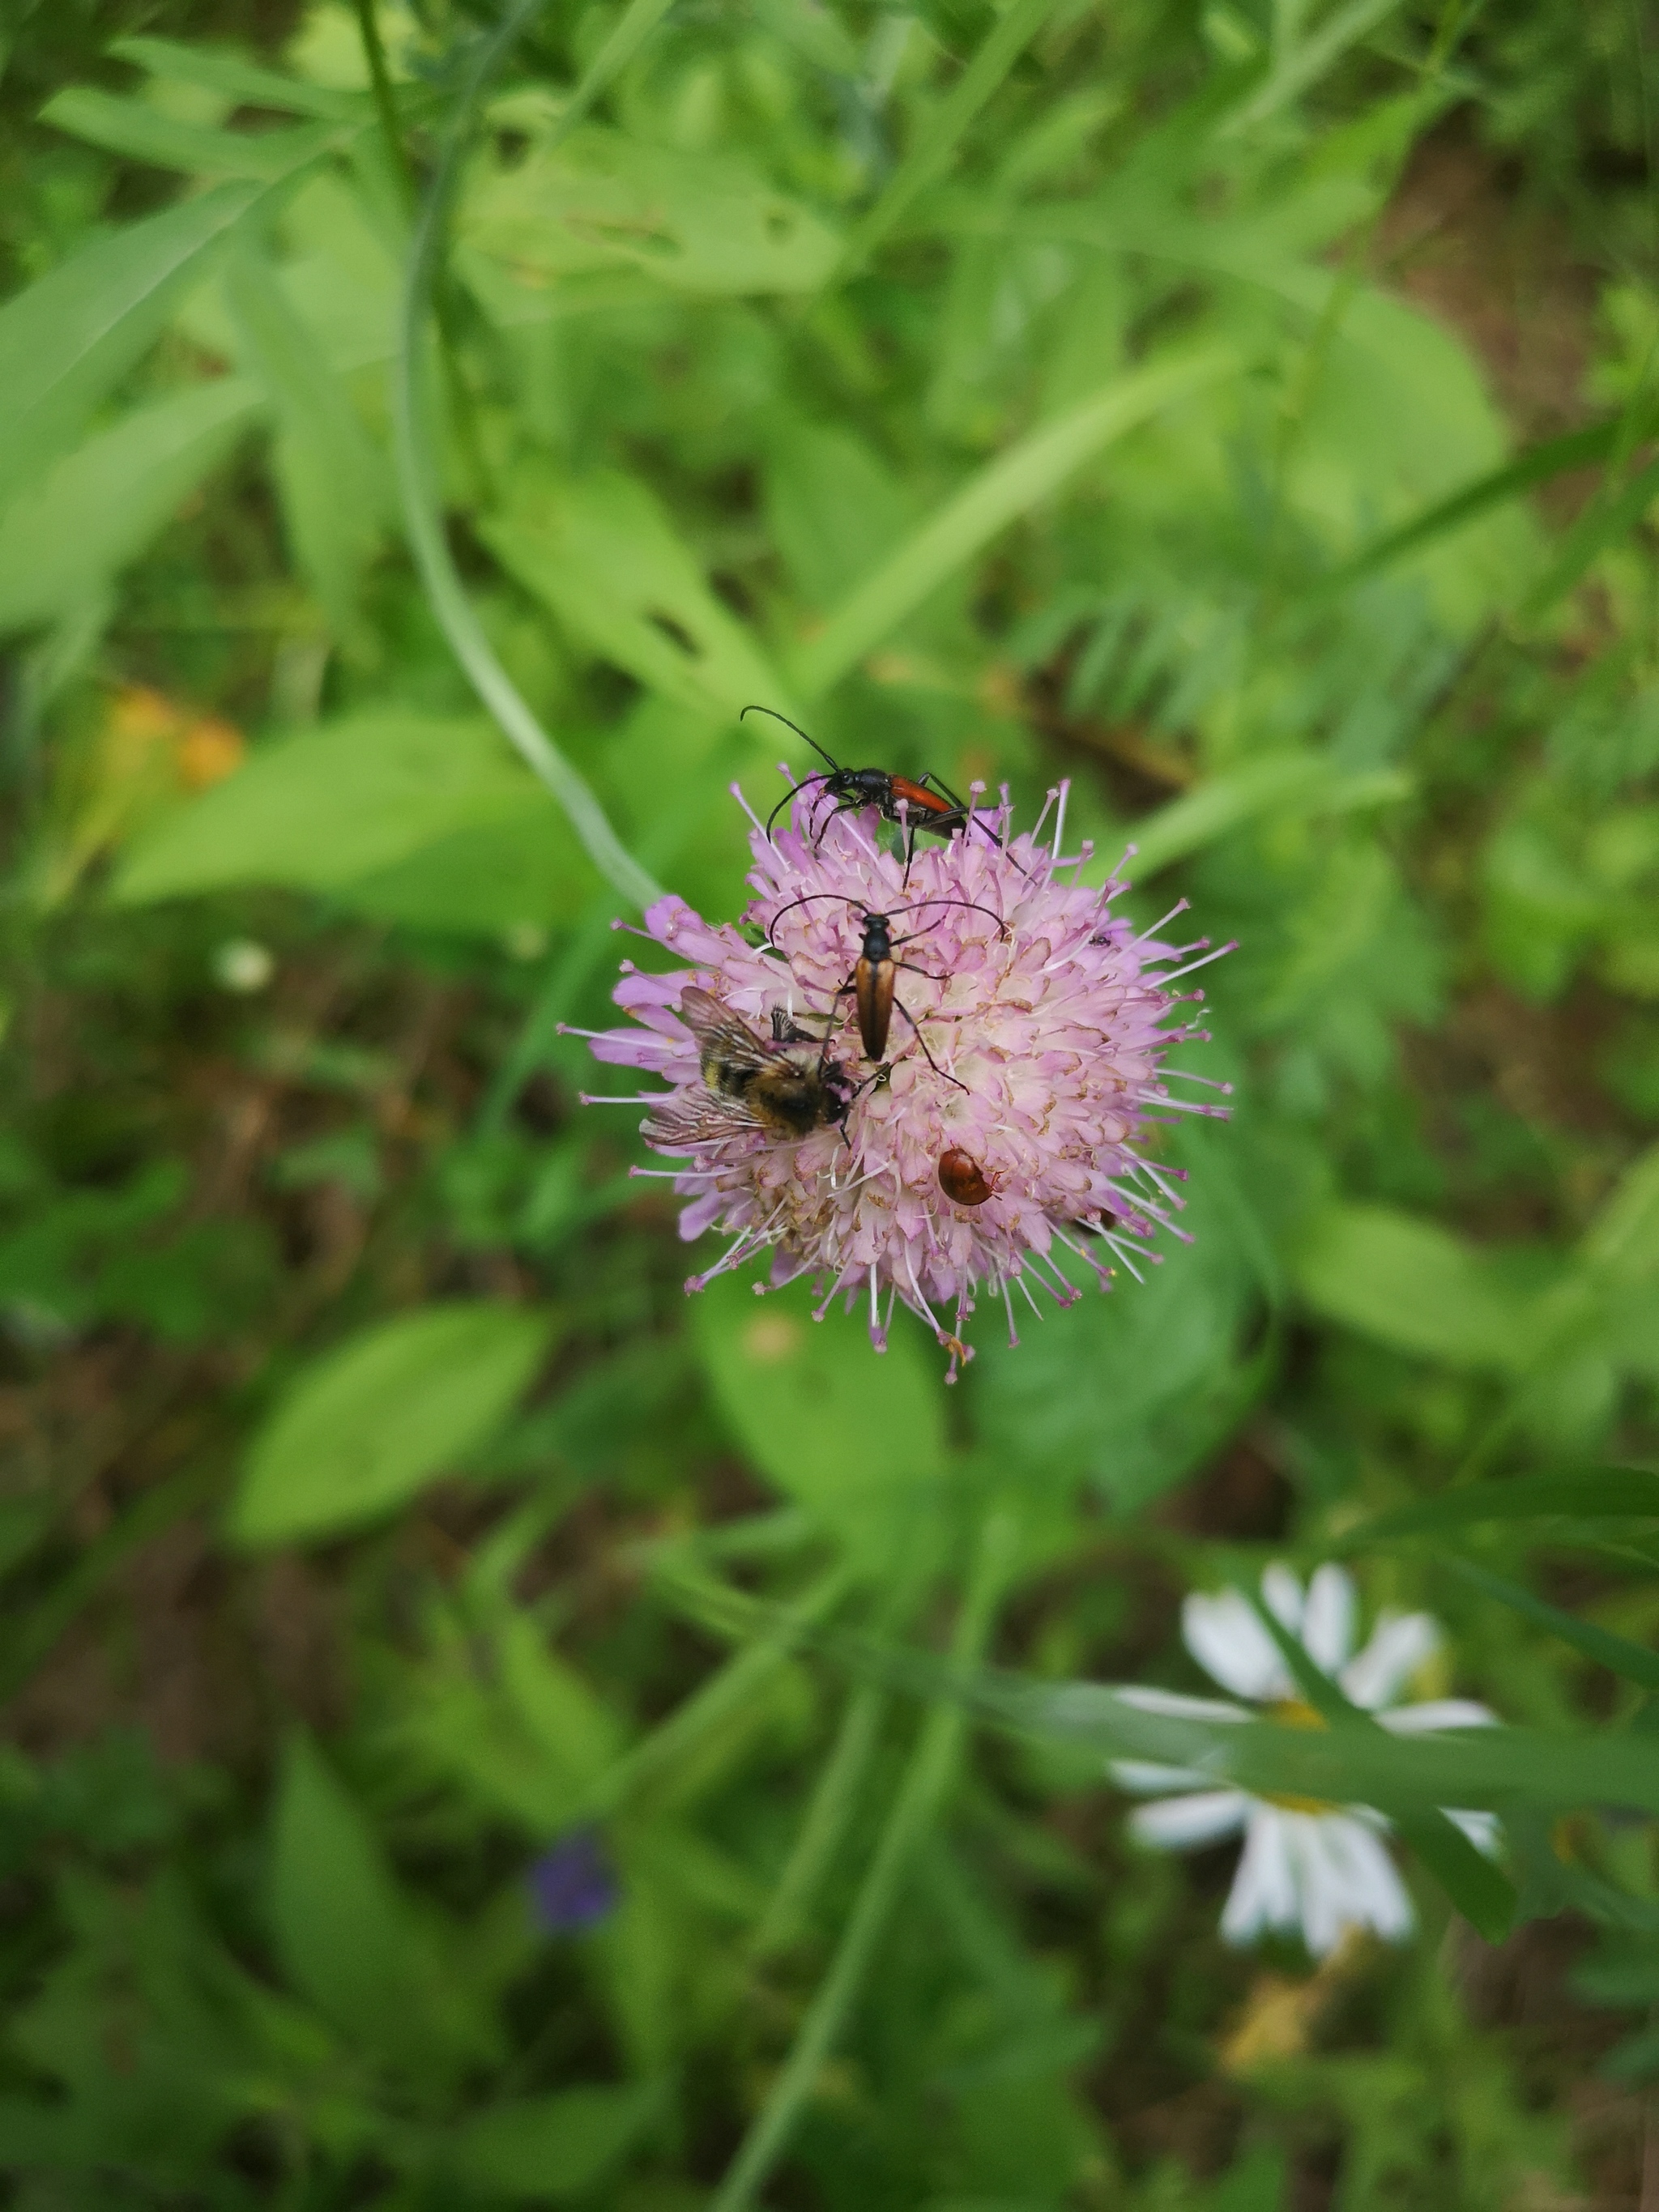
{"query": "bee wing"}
{"type": "Point", "coordinates": [718, 1029]}
{"type": "Point", "coordinates": [703, 1117]}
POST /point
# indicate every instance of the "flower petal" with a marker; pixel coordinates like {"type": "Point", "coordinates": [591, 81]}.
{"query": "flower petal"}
{"type": "Point", "coordinates": [1484, 1830]}
{"type": "Point", "coordinates": [1146, 1775]}
{"type": "Point", "coordinates": [1349, 1882]}
{"type": "Point", "coordinates": [1436, 1713]}
{"type": "Point", "coordinates": [1283, 1593]}
{"type": "Point", "coordinates": [1264, 1891]}
{"type": "Point", "coordinates": [1229, 1642]}
{"type": "Point", "coordinates": [1400, 1644]}
{"type": "Point", "coordinates": [1176, 1705]}
{"type": "Point", "coordinates": [1184, 1824]}
{"type": "Point", "coordinates": [1327, 1618]}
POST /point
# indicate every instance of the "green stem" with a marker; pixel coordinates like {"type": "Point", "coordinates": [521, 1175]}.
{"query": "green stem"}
{"type": "Point", "coordinates": [385, 104]}
{"type": "Point", "coordinates": [833, 1804]}
{"type": "Point", "coordinates": [422, 518]}
{"type": "Point", "coordinates": [920, 1796]}
{"type": "Point", "coordinates": [725, 1692]}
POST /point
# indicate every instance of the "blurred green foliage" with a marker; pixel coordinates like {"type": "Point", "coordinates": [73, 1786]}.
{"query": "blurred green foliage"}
{"type": "Point", "coordinates": [1245, 411]}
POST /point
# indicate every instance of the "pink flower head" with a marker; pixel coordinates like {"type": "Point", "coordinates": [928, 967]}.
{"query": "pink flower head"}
{"type": "Point", "coordinates": [1027, 1040]}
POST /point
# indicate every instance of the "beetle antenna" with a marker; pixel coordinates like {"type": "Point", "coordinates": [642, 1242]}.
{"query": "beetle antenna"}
{"type": "Point", "coordinates": [796, 727]}
{"type": "Point", "coordinates": [916, 906]}
{"type": "Point", "coordinates": [793, 791]}
{"type": "Point", "coordinates": [806, 899]}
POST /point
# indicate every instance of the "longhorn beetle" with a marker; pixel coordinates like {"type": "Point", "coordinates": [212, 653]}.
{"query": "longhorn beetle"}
{"type": "Point", "coordinates": [898, 798]}
{"type": "Point", "coordinates": [875, 974]}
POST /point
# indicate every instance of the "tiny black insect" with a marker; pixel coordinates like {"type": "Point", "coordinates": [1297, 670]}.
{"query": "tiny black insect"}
{"type": "Point", "coordinates": [875, 973]}
{"type": "Point", "coordinates": [901, 799]}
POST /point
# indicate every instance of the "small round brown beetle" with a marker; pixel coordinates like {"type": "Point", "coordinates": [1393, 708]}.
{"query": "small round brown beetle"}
{"type": "Point", "coordinates": [962, 1178]}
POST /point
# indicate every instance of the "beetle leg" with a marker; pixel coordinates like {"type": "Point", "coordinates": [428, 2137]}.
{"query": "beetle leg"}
{"type": "Point", "coordinates": [899, 1008]}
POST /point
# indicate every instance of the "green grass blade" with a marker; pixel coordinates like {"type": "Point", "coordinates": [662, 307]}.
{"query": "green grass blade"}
{"type": "Point", "coordinates": [931, 155]}
{"type": "Point", "coordinates": [1307, 63]}
{"type": "Point", "coordinates": [1015, 482]}
{"type": "Point", "coordinates": [1634, 1661]}
{"type": "Point", "coordinates": [1590, 1494]}
{"type": "Point", "coordinates": [1602, 524]}
{"type": "Point", "coordinates": [1538, 465]}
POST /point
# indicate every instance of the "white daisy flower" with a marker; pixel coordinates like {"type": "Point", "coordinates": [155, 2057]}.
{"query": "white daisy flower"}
{"type": "Point", "coordinates": [1307, 1865]}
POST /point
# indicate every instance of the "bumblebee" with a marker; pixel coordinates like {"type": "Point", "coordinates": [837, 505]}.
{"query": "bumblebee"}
{"type": "Point", "coordinates": [751, 1084]}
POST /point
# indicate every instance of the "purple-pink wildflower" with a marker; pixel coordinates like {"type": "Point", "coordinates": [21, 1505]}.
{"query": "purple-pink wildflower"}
{"type": "Point", "coordinates": [1049, 1028]}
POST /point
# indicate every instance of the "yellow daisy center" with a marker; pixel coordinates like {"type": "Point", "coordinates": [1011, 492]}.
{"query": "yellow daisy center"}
{"type": "Point", "coordinates": [1297, 1712]}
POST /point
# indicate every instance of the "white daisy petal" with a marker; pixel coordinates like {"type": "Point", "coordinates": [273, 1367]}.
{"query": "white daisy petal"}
{"type": "Point", "coordinates": [1145, 1774]}
{"type": "Point", "coordinates": [1174, 1705]}
{"type": "Point", "coordinates": [1327, 1618]}
{"type": "Point", "coordinates": [1184, 1824]}
{"type": "Point", "coordinates": [1283, 1593]}
{"type": "Point", "coordinates": [1400, 1644]}
{"type": "Point", "coordinates": [1436, 1713]}
{"type": "Point", "coordinates": [1356, 1885]}
{"type": "Point", "coordinates": [1264, 1893]}
{"type": "Point", "coordinates": [1482, 1829]}
{"type": "Point", "coordinates": [1224, 1635]}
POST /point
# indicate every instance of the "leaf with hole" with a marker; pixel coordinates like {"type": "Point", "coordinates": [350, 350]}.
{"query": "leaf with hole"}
{"type": "Point", "coordinates": [602, 553]}
{"type": "Point", "coordinates": [707, 223]}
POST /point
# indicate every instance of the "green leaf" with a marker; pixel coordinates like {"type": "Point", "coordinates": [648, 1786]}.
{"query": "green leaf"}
{"type": "Point", "coordinates": [368, 1426]}
{"type": "Point", "coordinates": [1480, 1891]}
{"type": "Point", "coordinates": [64, 538]}
{"type": "Point", "coordinates": [558, 2146]}
{"type": "Point", "coordinates": [347, 1936]}
{"type": "Point", "coordinates": [1586, 1494]}
{"type": "Point", "coordinates": [144, 133]}
{"type": "Point", "coordinates": [347, 802]}
{"type": "Point", "coordinates": [855, 1437]}
{"type": "Point", "coordinates": [218, 70]}
{"type": "Point", "coordinates": [67, 340]}
{"type": "Point", "coordinates": [1412, 1284]}
{"type": "Point", "coordinates": [333, 482]}
{"type": "Point", "coordinates": [1016, 481]}
{"type": "Point", "coordinates": [602, 553]}
{"type": "Point", "coordinates": [1128, 1391]}
{"type": "Point", "coordinates": [706, 224]}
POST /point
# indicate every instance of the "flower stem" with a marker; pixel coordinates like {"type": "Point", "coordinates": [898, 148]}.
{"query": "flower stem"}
{"type": "Point", "coordinates": [385, 105]}
{"type": "Point", "coordinates": [417, 477]}
{"type": "Point", "coordinates": [920, 1797]}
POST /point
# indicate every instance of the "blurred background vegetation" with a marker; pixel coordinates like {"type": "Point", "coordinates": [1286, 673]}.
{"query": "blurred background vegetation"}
{"type": "Point", "coordinates": [1247, 411]}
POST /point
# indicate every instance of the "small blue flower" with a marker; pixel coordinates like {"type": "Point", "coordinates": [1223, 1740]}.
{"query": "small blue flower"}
{"type": "Point", "coordinates": [571, 1887]}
